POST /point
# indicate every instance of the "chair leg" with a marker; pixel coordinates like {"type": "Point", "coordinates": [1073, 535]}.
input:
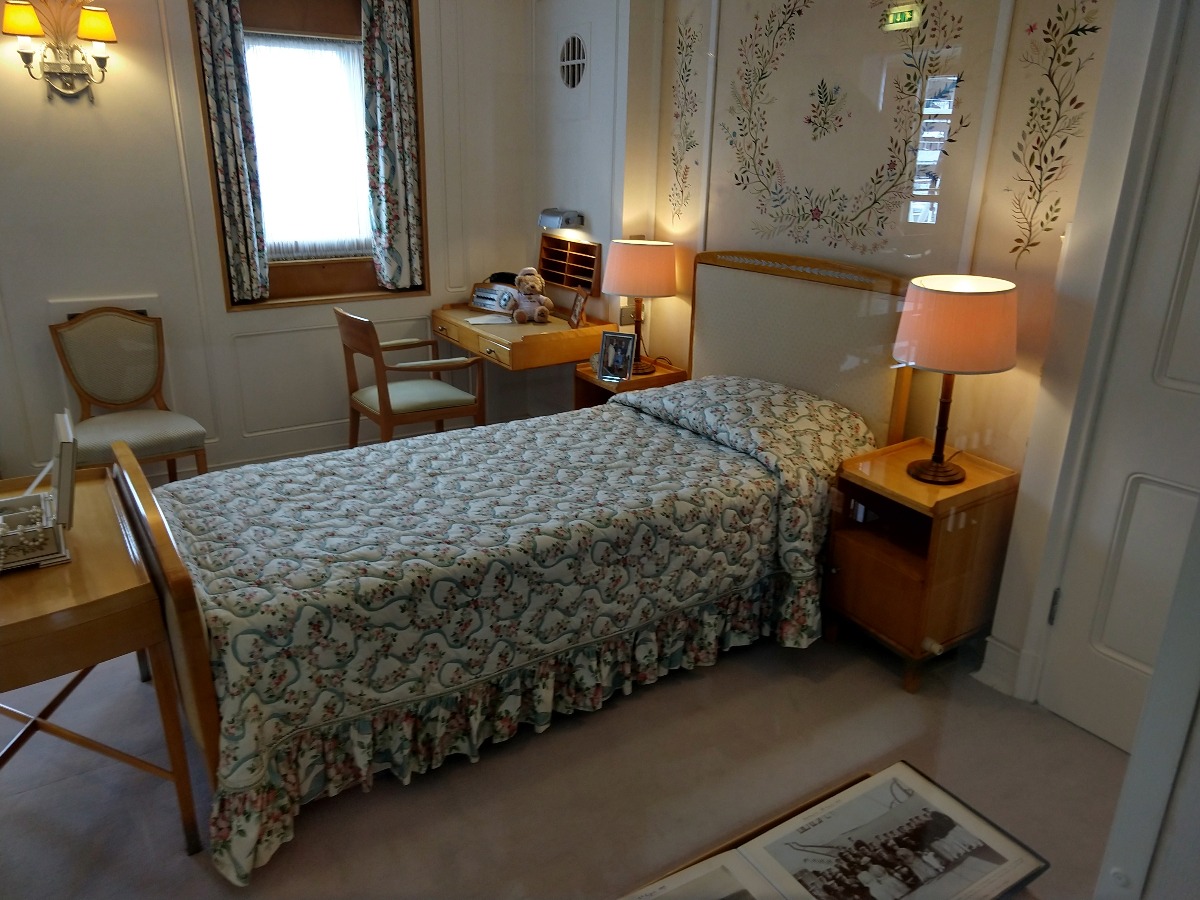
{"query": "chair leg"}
{"type": "Point", "coordinates": [172, 470]}
{"type": "Point", "coordinates": [354, 417]}
{"type": "Point", "coordinates": [201, 461]}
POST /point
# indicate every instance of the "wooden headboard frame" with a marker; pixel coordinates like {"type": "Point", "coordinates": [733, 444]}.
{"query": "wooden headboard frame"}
{"type": "Point", "coordinates": [181, 609]}
{"type": "Point", "coordinates": [826, 327]}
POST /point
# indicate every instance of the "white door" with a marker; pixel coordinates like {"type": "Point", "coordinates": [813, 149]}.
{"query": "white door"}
{"type": "Point", "coordinates": [1141, 483]}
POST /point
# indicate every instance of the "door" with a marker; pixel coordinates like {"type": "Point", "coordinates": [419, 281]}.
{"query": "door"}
{"type": "Point", "coordinates": [1141, 484]}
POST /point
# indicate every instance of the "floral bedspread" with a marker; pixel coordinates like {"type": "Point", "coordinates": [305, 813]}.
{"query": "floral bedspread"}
{"type": "Point", "coordinates": [386, 606]}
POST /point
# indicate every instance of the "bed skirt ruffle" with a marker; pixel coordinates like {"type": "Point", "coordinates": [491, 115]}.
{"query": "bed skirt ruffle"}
{"type": "Point", "coordinates": [248, 825]}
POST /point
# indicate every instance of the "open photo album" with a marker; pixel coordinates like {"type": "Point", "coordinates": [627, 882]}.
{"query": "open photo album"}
{"type": "Point", "coordinates": [895, 834]}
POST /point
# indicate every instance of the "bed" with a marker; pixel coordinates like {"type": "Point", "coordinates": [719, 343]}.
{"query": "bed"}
{"type": "Point", "coordinates": [383, 607]}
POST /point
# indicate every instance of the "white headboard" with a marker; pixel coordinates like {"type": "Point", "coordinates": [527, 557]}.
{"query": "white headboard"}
{"type": "Point", "coordinates": [823, 326]}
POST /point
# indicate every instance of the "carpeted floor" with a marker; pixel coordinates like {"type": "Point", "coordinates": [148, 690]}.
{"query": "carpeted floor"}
{"type": "Point", "coordinates": [596, 806]}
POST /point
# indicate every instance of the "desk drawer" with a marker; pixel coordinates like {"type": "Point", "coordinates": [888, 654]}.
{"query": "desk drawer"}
{"type": "Point", "coordinates": [447, 330]}
{"type": "Point", "coordinates": [490, 349]}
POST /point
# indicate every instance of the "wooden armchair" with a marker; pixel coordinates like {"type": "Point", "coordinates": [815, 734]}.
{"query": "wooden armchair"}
{"type": "Point", "coordinates": [404, 402]}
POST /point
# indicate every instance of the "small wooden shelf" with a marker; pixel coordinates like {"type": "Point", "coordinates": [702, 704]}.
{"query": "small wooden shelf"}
{"type": "Point", "coordinates": [570, 264]}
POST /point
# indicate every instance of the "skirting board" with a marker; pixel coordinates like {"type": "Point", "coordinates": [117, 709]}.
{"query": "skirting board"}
{"type": "Point", "coordinates": [1000, 665]}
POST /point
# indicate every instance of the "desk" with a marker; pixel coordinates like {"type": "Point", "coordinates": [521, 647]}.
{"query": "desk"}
{"type": "Point", "coordinates": [70, 617]}
{"type": "Point", "coordinates": [517, 347]}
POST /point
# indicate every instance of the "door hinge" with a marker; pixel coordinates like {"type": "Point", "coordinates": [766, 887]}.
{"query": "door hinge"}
{"type": "Point", "coordinates": [1054, 605]}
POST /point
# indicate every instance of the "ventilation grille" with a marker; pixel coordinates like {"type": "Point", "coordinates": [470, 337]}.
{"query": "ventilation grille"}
{"type": "Point", "coordinates": [572, 60]}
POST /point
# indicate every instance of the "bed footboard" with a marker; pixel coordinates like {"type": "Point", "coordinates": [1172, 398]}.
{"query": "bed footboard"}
{"type": "Point", "coordinates": [181, 612]}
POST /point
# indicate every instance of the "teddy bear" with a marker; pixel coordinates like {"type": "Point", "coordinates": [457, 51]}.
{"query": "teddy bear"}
{"type": "Point", "coordinates": [530, 305]}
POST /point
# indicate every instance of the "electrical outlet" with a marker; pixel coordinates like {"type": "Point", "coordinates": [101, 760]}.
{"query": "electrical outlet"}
{"type": "Point", "coordinates": [626, 315]}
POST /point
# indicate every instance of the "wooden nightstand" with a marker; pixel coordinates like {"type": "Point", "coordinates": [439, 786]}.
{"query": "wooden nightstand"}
{"type": "Point", "coordinates": [590, 390]}
{"type": "Point", "coordinates": [917, 565]}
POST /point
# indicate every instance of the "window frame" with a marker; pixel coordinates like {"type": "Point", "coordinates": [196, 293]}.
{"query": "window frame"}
{"type": "Point", "coordinates": [336, 279]}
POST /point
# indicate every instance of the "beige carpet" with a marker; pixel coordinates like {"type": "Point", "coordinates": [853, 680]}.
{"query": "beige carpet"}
{"type": "Point", "coordinates": [596, 806]}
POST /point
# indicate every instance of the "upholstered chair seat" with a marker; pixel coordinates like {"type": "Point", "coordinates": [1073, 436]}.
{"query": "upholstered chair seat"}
{"type": "Point", "coordinates": [148, 432]}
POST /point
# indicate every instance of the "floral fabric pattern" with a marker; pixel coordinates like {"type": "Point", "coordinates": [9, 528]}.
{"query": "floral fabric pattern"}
{"type": "Point", "coordinates": [386, 606]}
{"type": "Point", "coordinates": [393, 164]}
{"type": "Point", "coordinates": [227, 91]}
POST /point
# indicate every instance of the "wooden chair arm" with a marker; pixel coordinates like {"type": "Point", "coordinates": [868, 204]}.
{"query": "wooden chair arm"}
{"type": "Point", "coordinates": [406, 344]}
{"type": "Point", "coordinates": [436, 365]}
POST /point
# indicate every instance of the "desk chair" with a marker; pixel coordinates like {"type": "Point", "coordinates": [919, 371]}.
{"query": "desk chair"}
{"type": "Point", "coordinates": [114, 358]}
{"type": "Point", "coordinates": [405, 402]}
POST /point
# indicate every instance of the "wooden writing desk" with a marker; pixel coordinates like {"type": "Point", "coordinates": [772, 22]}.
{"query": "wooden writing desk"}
{"type": "Point", "coordinates": [517, 347]}
{"type": "Point", "coordinates": [70, 617]}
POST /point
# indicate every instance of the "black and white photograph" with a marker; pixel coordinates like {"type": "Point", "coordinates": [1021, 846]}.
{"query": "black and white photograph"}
{"type": "Point", "coordinates": [896, 835]}
{"type": "Point", "coordinates": [617, 350]}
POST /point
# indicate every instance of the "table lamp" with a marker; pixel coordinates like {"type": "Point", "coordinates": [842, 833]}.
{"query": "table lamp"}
{"type": "Point", "coordinates": [640, 269]}
{"type": "Point", "coordinates": [956, 325]}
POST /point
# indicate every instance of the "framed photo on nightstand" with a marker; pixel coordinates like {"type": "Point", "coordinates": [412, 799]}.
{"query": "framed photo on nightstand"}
{"type": "Point", "coordinates": [616, 355]}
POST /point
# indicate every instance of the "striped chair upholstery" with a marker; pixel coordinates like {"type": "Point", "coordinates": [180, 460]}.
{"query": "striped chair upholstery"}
{"type": "Point", "coordinates": [114, 359]}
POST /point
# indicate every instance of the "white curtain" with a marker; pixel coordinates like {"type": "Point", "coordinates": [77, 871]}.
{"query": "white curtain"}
{"type": "Point", "coordinates": [306, 95]}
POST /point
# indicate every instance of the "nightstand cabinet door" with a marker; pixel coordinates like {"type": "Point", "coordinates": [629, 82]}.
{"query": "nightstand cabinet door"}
{"type": "Point", "coordinates": [917, 567]}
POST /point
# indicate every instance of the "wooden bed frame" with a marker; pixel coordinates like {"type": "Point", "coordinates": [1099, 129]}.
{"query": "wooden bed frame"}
{"type": "Point", "coordinates": [821, 326]}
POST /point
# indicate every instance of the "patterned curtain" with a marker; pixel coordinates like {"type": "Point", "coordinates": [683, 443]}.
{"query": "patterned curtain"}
{"type": "Point", "coordinates": [392, 163]}
{"type": "Point", "coordinates": [223, 65]}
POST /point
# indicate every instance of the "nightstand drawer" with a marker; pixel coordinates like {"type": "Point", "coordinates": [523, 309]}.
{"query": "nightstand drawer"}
{"type": "Point", "coordinates": [498, 352]}
{"type": "Point", "coordinates": [878, 585]}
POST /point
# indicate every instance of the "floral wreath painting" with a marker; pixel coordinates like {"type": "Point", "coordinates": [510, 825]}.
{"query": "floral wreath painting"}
{"type": "Point", "coordinates": [1056, 114]}
{"type": "Point", "coordinates": [685, 103]}
{"type": "Point", "coordinates": [861, 219]}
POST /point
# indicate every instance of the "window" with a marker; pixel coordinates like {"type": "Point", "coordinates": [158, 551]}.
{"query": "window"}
{"type": "Point", "coordinates": [292, 131]}
{"type": "Point", "coordinates": [306, 99]}
{"type": "Point", "coordinates": [935, 131]}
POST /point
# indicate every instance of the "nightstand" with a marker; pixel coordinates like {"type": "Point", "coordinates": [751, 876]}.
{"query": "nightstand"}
{"type": "Point", "coordinates": [917, 565]}
{"type": "Point", "coordinates": [590, 390]}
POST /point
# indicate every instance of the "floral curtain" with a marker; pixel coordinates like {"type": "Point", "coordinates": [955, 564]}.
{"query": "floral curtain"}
{"type": "Point", "coordinates": [223, 69]}
{"type": "Point", "coordinates": [392, 141]}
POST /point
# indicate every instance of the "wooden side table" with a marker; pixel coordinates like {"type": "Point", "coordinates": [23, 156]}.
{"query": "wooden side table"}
{"type": "Point", "coordinates": [591, 390]}
{"type": "Point", "coordinates": [70, 617]}
{"type": "Point", "coordinates": [917, 565]}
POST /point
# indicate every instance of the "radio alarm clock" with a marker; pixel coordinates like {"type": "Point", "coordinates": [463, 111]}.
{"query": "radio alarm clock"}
{"type": "Point", "coordinates": [488, 295]}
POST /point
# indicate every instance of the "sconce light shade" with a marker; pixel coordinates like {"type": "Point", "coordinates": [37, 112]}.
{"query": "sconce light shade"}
{"type": "Point", "coordinates": [554, 217]}
{"type": "Point", "coordinates": [956, 325]}
{"type": "Point", "coordinates": [21, 19]}
{"type": "Point", "coordinates": [95, 25]}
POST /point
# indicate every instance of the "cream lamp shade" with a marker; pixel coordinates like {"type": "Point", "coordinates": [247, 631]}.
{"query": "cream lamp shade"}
{"type": "Point", "coordinates": [640, 269]}
{"type": "Point", "coordinates": [20, 19]}
{"type": "Point", "coordinates": [956, 325]}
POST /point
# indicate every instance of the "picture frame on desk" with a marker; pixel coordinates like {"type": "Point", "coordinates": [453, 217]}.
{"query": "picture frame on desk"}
{"type": "Point", "coordinates": [617, 350]}
{"type": "Point", "coordinates": [578, 315]}
{"type": "Point", "coordinates": [33, 524]}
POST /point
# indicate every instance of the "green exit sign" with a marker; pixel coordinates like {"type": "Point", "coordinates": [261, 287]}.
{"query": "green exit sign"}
{"type": "Point", "coordinates": [902, 15]}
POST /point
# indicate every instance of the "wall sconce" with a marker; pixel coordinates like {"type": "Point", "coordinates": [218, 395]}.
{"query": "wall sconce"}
{"type": "Point", "coordinates": [560, 218]}
{"type": "Point", "coordinates": [62, 63]}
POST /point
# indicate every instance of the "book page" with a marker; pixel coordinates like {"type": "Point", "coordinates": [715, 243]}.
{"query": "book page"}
{"type": "Point", "coordinates": [726, 876]}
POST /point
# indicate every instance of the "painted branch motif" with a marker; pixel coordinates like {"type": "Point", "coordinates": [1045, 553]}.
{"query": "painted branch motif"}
{"type": "Point", "coordinates": [685, 103]}
{"type": "Point", "coordinates": [860, 220]}
{"type": "Point", "coordinates": [826, 114]}
{"type": "Point", "coordinates": [1055, 115]}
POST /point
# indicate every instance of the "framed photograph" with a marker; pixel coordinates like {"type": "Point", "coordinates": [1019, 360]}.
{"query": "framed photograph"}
{"type": "Point", "coordinates": [901, 833]}
{"type": "Point", "coordinates": [62, 468]}
{"type": "Point", "coordinates": [578, 316]}
{"type": "Point", "coordinates": [617, 350]}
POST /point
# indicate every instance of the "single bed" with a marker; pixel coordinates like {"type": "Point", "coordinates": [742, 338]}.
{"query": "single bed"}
{"type": "Point", "coordinates": [386, 606]}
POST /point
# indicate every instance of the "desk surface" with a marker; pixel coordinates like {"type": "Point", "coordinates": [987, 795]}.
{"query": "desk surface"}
{"type": "Point", "coordinates": [104, 583]}
{"type": "Point", "coordinates": [516, 347]}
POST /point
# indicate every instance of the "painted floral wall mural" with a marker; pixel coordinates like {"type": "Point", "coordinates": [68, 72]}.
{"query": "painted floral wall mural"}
{"type": "Point", "coordinates": [1056, 114]}
{"type": "Point", "coordinates": [685, 104]}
